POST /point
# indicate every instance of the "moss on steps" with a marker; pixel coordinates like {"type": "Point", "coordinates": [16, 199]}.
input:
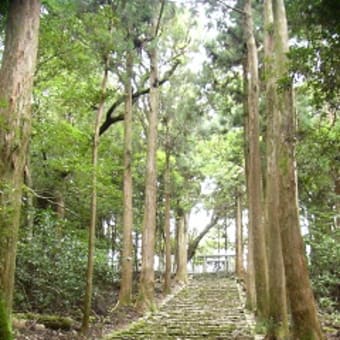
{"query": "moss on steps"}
{"type": "Point", "coordinates": [209, 307]}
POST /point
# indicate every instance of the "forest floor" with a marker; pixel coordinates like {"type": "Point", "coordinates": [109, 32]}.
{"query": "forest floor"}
{"type": "Point", "coordinates": [209, 307]}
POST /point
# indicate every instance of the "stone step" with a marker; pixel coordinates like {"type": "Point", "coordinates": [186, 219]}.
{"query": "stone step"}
{"type": "Point", "coordinates": [207, 308]}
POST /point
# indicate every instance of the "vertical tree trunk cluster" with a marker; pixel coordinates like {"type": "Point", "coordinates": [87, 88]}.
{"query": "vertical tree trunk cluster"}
{"type": "Point", "coordinates": [16, 81]}
{"type": "Point", "coordinates": [146, 286]}
{"type": "Point", "coordinates": [302, 304]}
{"type": "Point", "coordinates": [275, 243]}
{"type": "Point", "coordinates": [145, 299]}
{"type": "Point", "coordinates": [255, 197]}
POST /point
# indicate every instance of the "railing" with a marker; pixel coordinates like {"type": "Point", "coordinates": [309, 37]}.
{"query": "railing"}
{"type": "Point", "coordinates": [212, 264]}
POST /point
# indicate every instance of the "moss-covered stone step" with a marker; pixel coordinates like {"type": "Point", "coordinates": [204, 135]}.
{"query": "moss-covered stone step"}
{"type": "Point", "coordinates": [209, 307]}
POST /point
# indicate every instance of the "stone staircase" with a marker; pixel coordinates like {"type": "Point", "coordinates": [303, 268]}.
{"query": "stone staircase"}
{"type": "Point", "coordinates": [209, 307]}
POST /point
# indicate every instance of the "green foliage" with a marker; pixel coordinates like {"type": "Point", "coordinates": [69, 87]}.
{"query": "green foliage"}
{"type": "Point", "coordinates": [324, 267]}
{"type": "Point", "coordinates": [51, 267]}
{"type": "Point", "coordinates": [3, 15]}
{"type": "Point", "coordinates": [315, 55]}
{"type": "Point", "coordinates": [318, 164]}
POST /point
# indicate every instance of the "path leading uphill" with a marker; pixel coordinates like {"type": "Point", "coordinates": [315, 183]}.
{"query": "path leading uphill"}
{"type": "Point", "coordinates": [209, 307]}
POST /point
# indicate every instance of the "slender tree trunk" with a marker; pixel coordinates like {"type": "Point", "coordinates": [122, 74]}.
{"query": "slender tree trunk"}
{"type": "Point", "coordinates": [239, 248]}
{"type": "Point", "coordinates": [167, 203]}
{"type": "Point", "coordinates": [277, 293]}
{"type": "Point", "coordinates": [125, 294]}
{"type": "Point", "coordinates": [146, 288]}
{"type": "Point", "coordinates": [302, 304]}
{"type": "Point", "coordinates": [92, 226]}
{"type": "Point", "coordinates": [59, 205]}
{"type": "Point", "coordinates": [255, 177]}
{"type": "Point", "coordinates": [16, 81]}
{"type": "Point", "coordinates": [181, 272]}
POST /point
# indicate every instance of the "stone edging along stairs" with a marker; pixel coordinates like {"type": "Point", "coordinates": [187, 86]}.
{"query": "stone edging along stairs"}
{"type": "Point", "coordinates": [209, 307]}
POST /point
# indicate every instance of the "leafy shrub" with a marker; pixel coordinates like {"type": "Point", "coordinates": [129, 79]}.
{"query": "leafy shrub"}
{"type": "Point", "coordinates": [51, 268]}
{"type": "Point", "coordinates": [325, 267]}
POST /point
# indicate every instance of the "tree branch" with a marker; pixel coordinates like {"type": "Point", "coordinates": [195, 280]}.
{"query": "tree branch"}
{"type": "Point", "coordinates": [112, 120]}
{"type": "Point", "coordinates": [238, 10]}
{"type": "Point", "coordinates": [49, 200]}
{"type": "Point", "coordinates": [194, 244]}
{"type": "Point", "coordinates": [160, 18]}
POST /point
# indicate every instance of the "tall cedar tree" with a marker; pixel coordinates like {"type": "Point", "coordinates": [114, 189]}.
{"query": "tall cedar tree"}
{"type": "Point", "coordinates": [146, 286]}
{"type": "Point", "coordinates": [250, 275]}
{"type": "Point", "coordinates": [277, 292]}
{"type": "Point", "coordinates": [125, 293]}
{"type": "Point", "coordinates": [254, 171]}
{"type": "Point", "coordinates": [16, 81]}
{"type": "Point", "coordinates": [302, 304]}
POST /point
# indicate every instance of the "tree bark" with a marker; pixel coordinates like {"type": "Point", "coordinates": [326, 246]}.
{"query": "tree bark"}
{"type": "Point", "coordinates": [125, 294]}
{"type": "Point", "coordinates": [305, 321]}
{"type": "Point", "coordinates": [255, 176]}
{"type": "Point", "coordinates": [181, 272]}
{"type": "Point", "coordinates": [146, 287]}
{"type": "Point", "coordinates": [16, 81]}
{"type": "Point", "coordinates": [250, 273]}
{"type": "Point", "coordinates": [277, 293]}
{"type": "Point", "coordinates": [92, 226]}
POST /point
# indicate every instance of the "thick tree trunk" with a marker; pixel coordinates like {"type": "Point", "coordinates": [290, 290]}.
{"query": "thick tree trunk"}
{"type": "Point", "coordinates": [146, 287]}
{"type": "Point", "coordinates": [125, 294]}
{"type": "Point", "coordinates": [181, 272]}
{"type": "Point", "coordinates": [277, 293]}
{"type": "Point", "coordinates": [167, 204]}
{"type": "Point", "coordinates": [255, 177]}
{"type": "Point", "coordinates": [16, 81]}
{"type": "Point", "coordinates": [250, 273]}
{"type": "Point", "coordinates": [92, 226]}
{"type": "Point", "coordinates": [238, 239]}
{"type": "Point", "coordinates": [304, 314]}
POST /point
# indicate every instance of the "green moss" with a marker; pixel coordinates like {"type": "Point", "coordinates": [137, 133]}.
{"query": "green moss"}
{"type": "Point", "coordinates": [51, 321]}
{"type": "Point", "coordinates": [5, 326]}
{"type": "Point", "coordinates": [261, 327]}
{"type": "Point", "coordinates": [134, 327]}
